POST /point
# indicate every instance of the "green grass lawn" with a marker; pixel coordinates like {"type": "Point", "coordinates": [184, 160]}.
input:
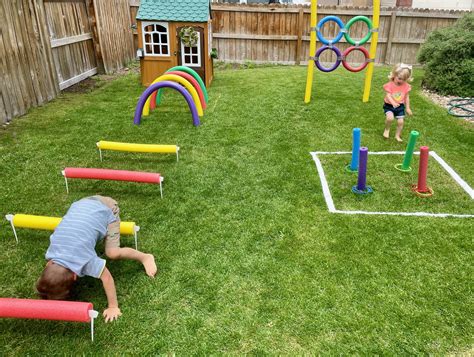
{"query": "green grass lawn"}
{"type": "Point", "coordinates": [250, 259]}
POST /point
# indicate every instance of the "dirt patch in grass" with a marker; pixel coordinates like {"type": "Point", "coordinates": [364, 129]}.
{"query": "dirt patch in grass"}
{"type": "Point", "coordinates": [97, 81]}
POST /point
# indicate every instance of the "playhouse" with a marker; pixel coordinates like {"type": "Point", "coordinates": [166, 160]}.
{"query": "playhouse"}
{"type": "Point", "coordinates": [174, 33]}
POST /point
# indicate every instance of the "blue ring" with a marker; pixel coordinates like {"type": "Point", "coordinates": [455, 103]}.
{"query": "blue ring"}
{"type": "Point", "coordinates": [338, 21]}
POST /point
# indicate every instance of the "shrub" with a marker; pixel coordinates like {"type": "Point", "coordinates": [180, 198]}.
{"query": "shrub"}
{"type": "Point", "coordinates": [448, 56]}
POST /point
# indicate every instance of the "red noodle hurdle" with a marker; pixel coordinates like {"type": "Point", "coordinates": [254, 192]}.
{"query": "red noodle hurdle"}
{"type": "Point", "coordinates": [114, 175]}
{"type": "Point", "coordinates": [48, 310]}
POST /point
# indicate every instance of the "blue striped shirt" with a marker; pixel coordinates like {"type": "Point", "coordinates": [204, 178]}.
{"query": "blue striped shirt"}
{"type": "Point", "coordinates": [72, 245]}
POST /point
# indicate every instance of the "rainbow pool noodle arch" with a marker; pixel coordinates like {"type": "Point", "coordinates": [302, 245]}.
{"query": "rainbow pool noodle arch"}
{"type": "Point", "coordinates": [189, 71]}
{"type": "Point", "coordinates": [165, 84]}
{"type": "Point", "coordinates": [177, 79]}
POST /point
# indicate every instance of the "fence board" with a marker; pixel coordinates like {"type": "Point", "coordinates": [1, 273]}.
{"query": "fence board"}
{"type": "Point", "coordinates": [280, 34]}
{"type": "Point", "coordinates": [26, 75]}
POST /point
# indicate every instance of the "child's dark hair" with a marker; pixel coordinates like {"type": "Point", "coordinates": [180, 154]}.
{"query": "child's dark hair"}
{"type": "Point", "coordinates": [55, 283]}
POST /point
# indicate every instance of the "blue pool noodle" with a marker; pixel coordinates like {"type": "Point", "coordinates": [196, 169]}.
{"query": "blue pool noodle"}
{"type": "Point", "coordinates": [355, 149]}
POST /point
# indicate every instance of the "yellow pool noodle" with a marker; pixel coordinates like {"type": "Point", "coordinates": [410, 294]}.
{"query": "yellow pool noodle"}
{"type": "Point", "coordinates": [50, 223]}
{"type": "Point", "coordinates": [112, 145]}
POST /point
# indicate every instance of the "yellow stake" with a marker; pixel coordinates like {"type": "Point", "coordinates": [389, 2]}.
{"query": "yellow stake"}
{"type": "Point", "coordinates": [312, 51]}
{"type": "Point", "coordinates": [372, 51]}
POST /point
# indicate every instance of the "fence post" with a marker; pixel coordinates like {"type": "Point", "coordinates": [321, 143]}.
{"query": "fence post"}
{"type": "Point", "coordinates": [95, 35]}
{"type": "Point", "coordinates": [300, 36]}
{"type": "Point", "coordinates": [391, 31]}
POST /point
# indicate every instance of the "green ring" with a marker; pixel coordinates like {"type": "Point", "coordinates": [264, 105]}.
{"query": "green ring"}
{"type": "Point", "coordinates": [350, 23]}
{"type": "Point", "coordinates": [348, 169]}
{"type": "Point", "coordinates": [399, 167]}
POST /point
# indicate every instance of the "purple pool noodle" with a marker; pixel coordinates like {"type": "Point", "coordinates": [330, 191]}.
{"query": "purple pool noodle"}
{"type": "Point", "coordinates": [335, 65]}
{"type": "Point", "coordinates": [168, 84]}
{"type": "Point", "coordinates": [362, 177]}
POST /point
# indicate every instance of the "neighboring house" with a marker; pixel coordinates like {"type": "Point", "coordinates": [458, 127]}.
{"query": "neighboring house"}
{"type": "Point", "coordinates": [160, 46]}
{"type": "Point", "coordinates": [444, 4]}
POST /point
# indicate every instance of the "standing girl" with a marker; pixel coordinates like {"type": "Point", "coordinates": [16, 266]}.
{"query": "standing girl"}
{"type": "Point", "coordinates": [397, 100]}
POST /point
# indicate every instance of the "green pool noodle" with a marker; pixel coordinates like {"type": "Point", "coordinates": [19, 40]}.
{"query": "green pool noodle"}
{"type": "Point", "coordinates": [410, 148]}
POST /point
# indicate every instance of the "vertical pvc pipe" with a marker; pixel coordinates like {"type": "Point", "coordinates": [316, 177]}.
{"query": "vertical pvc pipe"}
{"type": "Point", "coordinates": [312, 50]}
{"type": "Point", "coordinates": [355, 149]}
{"type": "Point", "coordinates": [423, 169]}
{"type": "Point", "coordinates": [410, 148]}
{"type": "Point", "coordinates": [362, 177]}
{"type": "Point", "coordinates": [372, 51]}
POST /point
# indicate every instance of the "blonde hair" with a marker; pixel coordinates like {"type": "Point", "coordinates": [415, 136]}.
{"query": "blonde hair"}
{"type": "Point", "coordinates": [401, 70]}
{"type": "Point", "coordinates": [55, 283]}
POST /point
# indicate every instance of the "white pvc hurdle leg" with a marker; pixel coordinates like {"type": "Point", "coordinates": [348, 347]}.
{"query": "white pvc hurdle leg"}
{"type": "Point", "coordinates": [161, 186]}
{"type": "Point", "coordinates": [65, 179]}
{"type": "Point", "coordinates": [100, 154]}
{"type": "Point", "coordinates": [177, 153]}
{"type": "Point", "coordinates": [92, 314]}
{"type": "Point", "coordinates": [135, 230]}
{"type": "Point", "coordinates": [9, 218]}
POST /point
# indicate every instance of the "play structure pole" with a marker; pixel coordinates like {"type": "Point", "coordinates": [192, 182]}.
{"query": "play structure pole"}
{"type": "Point", "coordinates": [372, 51]}
{"type": "Point", "coordinates": [355, 149]}
{"type": "Point", "coordinates": [362, 177]}
{"type": "Point", "coordinates": [312, 51]}
{"type": "Point", "coordinates": [409, 152]}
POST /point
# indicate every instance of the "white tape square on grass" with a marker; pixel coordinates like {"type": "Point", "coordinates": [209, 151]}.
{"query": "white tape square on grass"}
{"type": "Point", "coordinates": [332, 208]}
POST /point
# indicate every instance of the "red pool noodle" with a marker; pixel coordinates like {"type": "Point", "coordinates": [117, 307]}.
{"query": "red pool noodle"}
{"type": "Point", "coordinates": [195, 84]}
{"type": "Point", "coordinates": [423, 169]}
{"type": "Point", "coordinates": [107, 174]}
{"type": "Point", "coordinates": [45, 309]}
{"type": "Point", "coordinates": [153, 101]}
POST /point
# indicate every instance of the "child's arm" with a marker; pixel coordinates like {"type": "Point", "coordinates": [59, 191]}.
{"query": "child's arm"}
{"type": "Point", "coordinates": [112, 312]}
{"type": "Point", "coordinates": [407, 104]}
{"type": "Point", "coordinates": [392, 101]}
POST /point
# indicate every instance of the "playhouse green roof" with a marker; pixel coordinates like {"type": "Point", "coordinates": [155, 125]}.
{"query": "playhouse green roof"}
{"type": "Point", "coordinates": [174, 10]}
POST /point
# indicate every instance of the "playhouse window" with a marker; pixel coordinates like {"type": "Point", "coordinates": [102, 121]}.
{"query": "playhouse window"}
{"type": "Point", "coordinates": [191, 56]}
{"type": "Point", "coordinates": [156, 38]}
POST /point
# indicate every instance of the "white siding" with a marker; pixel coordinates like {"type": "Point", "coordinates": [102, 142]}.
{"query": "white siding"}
{"type": "Point", "coordinates": [443, 4]}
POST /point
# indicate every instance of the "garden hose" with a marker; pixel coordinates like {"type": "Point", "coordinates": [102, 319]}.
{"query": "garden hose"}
{"type": "Point", "coordinates": [461, 104]}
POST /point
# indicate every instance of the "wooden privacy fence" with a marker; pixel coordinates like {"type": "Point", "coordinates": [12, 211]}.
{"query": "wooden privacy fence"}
{"type": "Point", "coordinates": [49, 45]}
{"type": "Point", "coordinates": [280, 34]}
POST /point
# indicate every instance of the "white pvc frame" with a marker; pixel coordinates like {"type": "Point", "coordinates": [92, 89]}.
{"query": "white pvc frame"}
{"type": "Point", "coordinates": [332, 208]}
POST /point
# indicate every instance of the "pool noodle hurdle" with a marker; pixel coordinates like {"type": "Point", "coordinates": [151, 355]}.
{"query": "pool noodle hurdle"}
{"type": "Point", "coordinates": [361, 188]}
{"type": "Point", "coordinates": [356, 134]}
{"type": "Point", "coordinates": [112, 175]}
{"type": "Point", "coordinates": [133, 147]}
{"type": "Point", "coordinates": [49, 310]}
{"type": "Point", "coordinates": [405, 165]}
{"type": "Point", "coordinates": [421, 189]}
{"type": "Point", "coordinates": [50, 223]}
{"type": "Point", "coordinates": [165, 84]}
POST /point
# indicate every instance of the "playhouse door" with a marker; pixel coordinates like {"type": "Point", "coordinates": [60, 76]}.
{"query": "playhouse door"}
{"type": "Point", "coordinates": [192, 56]}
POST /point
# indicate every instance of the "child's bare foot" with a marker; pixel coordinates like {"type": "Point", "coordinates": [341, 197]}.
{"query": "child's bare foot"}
{"type": "Point", "coordinates": [386, 133]}
{"type": "Point", "coordinates": [399, 139]}
{"type": "Point", "coordinates": [150, 265]}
